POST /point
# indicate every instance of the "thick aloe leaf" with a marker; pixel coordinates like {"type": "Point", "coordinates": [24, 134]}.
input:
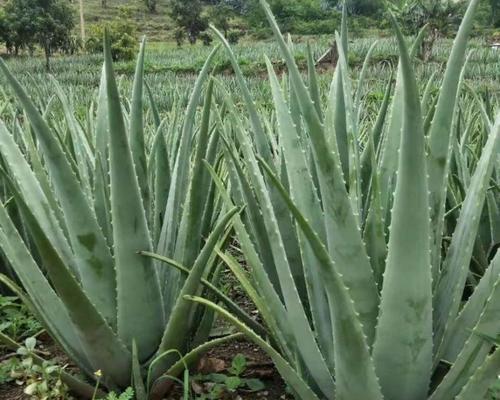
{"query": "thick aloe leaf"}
{"type": "Point", "coordinates": [102, 197]}
{"type": "Point", "coordinates": [138, 383]}
{"type": "Point", "coordinates": [140, 315]}
{"type": "Point", "coordinates": [403, 344]}
{"type": "Point", "coordinates": [374, 233]}
{"type": "Point", "coordinates": [494, 215]}
{"type": "Point", "coordinates": [475, 351]}
{"type": "Point", "coordinates": [343, 235]}
{"type": "Point", "coordinates": [455, 268]}
{"type": "Point", "coordinates": [101, 123]}
{"type": "Point", "coordinates": [33, 194]}
{"type": "Point", "coordinates": [101, 166]}
{"type": "Point", "coordinates": [212, 156]}
{"type": "Point", "coordinates": [259, 133]}
{"type": "Point", "coordinates": [292, 98]}
{"type": "Point", "coordinates": [440, 133]}
{"type": "Point", "coordinates": [304, 193]}
{"type": "Point", "coordinates": [337, 100]}
{"type": "Point", "coordinates": [161, 180]}
{"type": "Point", "coordinates": [389, 151]}
{"type": "Point", "coordinates": [101, 344]}
{"type": "Point", "coordinates": [29, 147]}
{"type": "Point", "coordinates": [427, 94]}
{"type": "Point", "coordinates": [471, 312]}
{"type": "Point", "coordinates": [83, 153]}
{"type": "Point", "coordinates": [190, 231]}
{"type": "Point", "coordinates": [362, 77]}
{"type": "Point", "coordinates": [33, 155]}
{"type": "Point", "coordinates": [352, 380]}
{"type": "Point", "coordinates": [92, 256]}
{"type": "Point", "coordinates": [370, 151]}
{"type": "Point", "coordinates": [485, 376]}
{"type": "Point", "coordinates": [313, 81]}
{"type": "Point", "coordinates": [136, 128]}
{"type": "Point", "coordinates": [180, 173]}
{"type": "Point", "coordinates": [154, 107]}
{"type": "Point", "coordinates": [47, 304]}
{"type": "Point", "coordinates": [351, 124]}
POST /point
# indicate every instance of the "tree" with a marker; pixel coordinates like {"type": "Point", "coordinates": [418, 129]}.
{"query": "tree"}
{"type": "Point", "coordinates": [122, 33]}
{"type": "Point", "coordinates": [239, 6]}
{"type": "Point", "coordinates": [4, 29]}
{"type": "Point", "coordinates": [188, 16]}
{"type": "Point", "coordinates": [495, 13]}
{"type": "Point", "coordinates": [295, 16]}
{"type": "Point", "coordinates": [19, 25]}
{"type": "Point", "coordinates": [151, 5]}
{"type": "Point", "coordinates": [220, 15]}
{"type": "Point", "coordinates": [327, 4]}
{"type": "Point", "coordinates": [47, 23]}
{"type": "Point", "coordinates": [54, 25]}
{"type": "Point", "coordinates": [364, 7]}
{"type": "Point", "coordinates": [442, 17]}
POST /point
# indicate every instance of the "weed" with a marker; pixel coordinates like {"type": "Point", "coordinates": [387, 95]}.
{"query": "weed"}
{"type": "Point", "coordinates": [40, 381]}
{"type": "Point", "coordinates": [218, 384]}
{"type": "Point", "coordinates": [16, 320]}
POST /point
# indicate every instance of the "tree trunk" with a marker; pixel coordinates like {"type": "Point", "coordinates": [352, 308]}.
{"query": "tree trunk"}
{"type": "Point", "coordinates": [82, 23]}
{"type": "Point", "coordinates": [104, 3]}
{"type": "Point", "coordinates": [47, 57]}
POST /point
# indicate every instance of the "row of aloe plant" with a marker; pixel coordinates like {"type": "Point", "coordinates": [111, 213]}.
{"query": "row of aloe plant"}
{"type": "Point", "coordinates": [344, 232]}
{"type": "Point", "coordinates": [360, 237]}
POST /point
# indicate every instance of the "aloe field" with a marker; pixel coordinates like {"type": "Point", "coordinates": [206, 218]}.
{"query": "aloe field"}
{"type": "Point", "coordinates": [245, 222]}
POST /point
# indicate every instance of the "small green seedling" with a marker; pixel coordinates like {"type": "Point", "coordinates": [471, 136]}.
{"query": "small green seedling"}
{"type": "Point", "coordinates": [231, 382]}
{"type": "Point", "coordinates": [16, 320]}
{"type": "Point", "coordinates": [128, 394]}
{"type": "Point", "coordinates": [40, 381]}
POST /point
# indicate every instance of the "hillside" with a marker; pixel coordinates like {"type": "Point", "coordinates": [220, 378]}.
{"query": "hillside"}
{"type": "Point", "coordinates": [155, 26]}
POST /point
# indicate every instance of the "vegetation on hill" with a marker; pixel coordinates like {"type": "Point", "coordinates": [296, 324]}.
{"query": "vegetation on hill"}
{"type": "Point", "coordinates": [29, 23]}
{"type": "Point", "coordinates": [159, 19]}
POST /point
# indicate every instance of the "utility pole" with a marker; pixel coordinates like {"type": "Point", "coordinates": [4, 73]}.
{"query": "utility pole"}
{"type": "Point", "coordinates": [82, 23]}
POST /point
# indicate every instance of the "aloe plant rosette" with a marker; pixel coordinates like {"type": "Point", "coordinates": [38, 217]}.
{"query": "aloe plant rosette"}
{"type": "Point", "coordinates": [100, 210]}
{"type": "Point", "coordinates": [343, 232]}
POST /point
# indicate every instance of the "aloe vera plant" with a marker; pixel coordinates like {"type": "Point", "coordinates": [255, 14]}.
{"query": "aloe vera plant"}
{"type": "Point", "coordinates": [101, 210]}
{"type": "Point", "coordinates": [360, 298]}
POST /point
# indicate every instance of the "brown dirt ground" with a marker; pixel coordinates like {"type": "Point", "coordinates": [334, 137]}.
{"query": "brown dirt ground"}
{"type": "Point", "coordinates": [215, 361]}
